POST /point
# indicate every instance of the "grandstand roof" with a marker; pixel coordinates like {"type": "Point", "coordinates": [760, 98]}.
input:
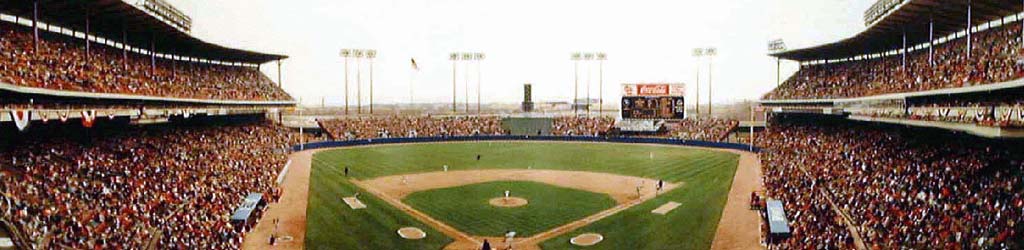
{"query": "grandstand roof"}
{"type": "Point", "coordinates": [110, 17]}
{"type": "Point", "coordinates": [886, 33]}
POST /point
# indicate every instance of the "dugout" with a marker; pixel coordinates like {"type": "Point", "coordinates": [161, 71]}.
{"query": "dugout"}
{"type": "Point", "coordinates": [246, 214]}
{"type": "Point", "coordinates": [778, 224]}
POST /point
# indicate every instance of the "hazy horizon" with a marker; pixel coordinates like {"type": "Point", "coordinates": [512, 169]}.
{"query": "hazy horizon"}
{"type": "Point", "coordinates": [524, 41]}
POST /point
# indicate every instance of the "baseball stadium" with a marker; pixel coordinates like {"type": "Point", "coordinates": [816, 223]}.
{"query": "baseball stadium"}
{"type": "Point", "coordinates": [254, 124]}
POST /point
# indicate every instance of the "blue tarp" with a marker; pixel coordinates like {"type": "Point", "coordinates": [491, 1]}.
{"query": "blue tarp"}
{"type": "Point", "coordinates": [245, 210]}
{"type": "Point", "coordinates": [777, 222]}
{"type": "Point", "coordinates": [667, 141]}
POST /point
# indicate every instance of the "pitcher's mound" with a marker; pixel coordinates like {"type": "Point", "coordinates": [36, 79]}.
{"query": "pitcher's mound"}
{"type": "Point", "coordinates": [587, 239]}
{"type": "Point", "coordinates": [411, 233]}
{"type": "Point", "coordinates": [508, 202]}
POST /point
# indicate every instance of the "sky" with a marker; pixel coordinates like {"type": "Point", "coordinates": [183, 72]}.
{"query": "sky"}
{"type": "Point", "coordinates": [525, 41]}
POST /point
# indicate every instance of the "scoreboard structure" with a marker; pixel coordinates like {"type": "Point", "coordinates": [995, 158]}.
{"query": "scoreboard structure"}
{"type": "Point", "coordinates": [660, 101]}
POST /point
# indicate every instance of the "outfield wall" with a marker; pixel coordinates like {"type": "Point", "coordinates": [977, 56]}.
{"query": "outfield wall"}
{"type": "Point", "coordinates": [664, 141]}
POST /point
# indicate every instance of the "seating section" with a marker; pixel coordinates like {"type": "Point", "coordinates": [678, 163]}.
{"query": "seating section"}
{"type": "Point", "coordinates": [586, 126]}
{"type": "Point", "coordinates": [703, 129]}
{"type": "Point", "coordinates": [418, 126]}
{"type": "Point", "coordinates": [426, 126]}
{"type": "Point", "coordinates": [174, 185]}
{"type": "Point", "coordinates": [903, 188]}
{"type": "Point", "coordinates": [61, 63]}
{"type": "Point", "coordinates": [996, 56]}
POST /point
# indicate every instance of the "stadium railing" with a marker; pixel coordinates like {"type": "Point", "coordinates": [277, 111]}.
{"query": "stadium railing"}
{"type": "Point", "coordinates": [664, 141]}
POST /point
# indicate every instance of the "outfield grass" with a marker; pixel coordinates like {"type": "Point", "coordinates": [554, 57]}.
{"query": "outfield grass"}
{"type": "Point", "coordinates": [707, 176]}
{"type": "Point", "coordinates": [467, 209]}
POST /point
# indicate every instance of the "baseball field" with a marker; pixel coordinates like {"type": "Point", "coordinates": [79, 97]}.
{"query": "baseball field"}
{"type": "Point", "coordinates": [455, 194]}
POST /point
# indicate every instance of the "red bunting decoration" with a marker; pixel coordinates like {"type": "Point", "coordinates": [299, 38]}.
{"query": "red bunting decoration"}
{"type": "Point", "coordinates": [22, 118]}
{"type": "Point", "coordinates": [88, 118]}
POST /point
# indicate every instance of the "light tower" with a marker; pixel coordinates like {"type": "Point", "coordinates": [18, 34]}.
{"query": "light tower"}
{"type": "Point", "coordinates": [478, 57]}
{"type": "Point", "coordinates": [576, 57]}
{"type": "Point", "coordinates": [359, 80]}
{"type": "Point", "coordinates": [697, 53]}
{"type": "Point", "coordinates": [370, 55]}
{"type": "Point", "coordinates": [710, 52]}
{"type": "Point", "coordinates": [346, 53]}
{"type": "Point", "coordinates": [601, 57]}
{"type": "Point", "coordinates": [454, 57]}
{"type": "Point", "coordinates": [468, 58]}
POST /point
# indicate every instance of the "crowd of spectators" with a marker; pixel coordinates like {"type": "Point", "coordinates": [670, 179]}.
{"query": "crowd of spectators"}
{"type": "Point", "coordinates": [706, 129]}
{"type": "Point", "coordinates": [61, 63]}
{"type": "Point", "coordinates": [996, 56]}
{"type": "Point", "coordinates": [702, 129]}
{"type": "Point", "coordinates": [411, 126]}
{"type": "Point", "coordinates": [581, 126]}
{"type": "Point", "coordinates": [173, 186]}
{"type": "Point", "coordinates": [903, 188]}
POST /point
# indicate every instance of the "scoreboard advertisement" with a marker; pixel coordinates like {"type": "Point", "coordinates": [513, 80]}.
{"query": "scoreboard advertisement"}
{"type": "Point", "coordinates": [653, 101]}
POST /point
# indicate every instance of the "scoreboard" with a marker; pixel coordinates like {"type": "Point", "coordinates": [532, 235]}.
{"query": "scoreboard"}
{"type": "Point", "coordinates": [653, 101]}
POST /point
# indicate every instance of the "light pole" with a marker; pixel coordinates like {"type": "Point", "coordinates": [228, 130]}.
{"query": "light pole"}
{"type": "Point", "coordinates": [478, 57]}
{"type": "Point", "coordinates": [576, 57]}
{"type": "Point", "coordinates": [601, 56]}
{"type": "Point", "coordinates": [710, 52]}
{"type": "Point", "coordinates": [346, 53]}
{"type": "Point", "coordinates": [359, 80]}
{"type": "Point", "coordinates": [371, 54]}
{"type": "Point", "coordinates": [588, 57]}
{"type": "Point", "coordinates": [454, 57]}
{"type": "Point", "coordinates": [697, 53]}
{"type": "Point", "coordinates": [468, 57]}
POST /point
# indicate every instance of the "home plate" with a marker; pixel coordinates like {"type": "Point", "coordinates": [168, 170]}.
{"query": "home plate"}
{"type": "Point", "coordinates": [664, 209]}
{"type": "Point", "coordinates": [354, 203]}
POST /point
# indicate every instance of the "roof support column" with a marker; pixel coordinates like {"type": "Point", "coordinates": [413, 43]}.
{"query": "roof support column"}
{"type": "Point", "coordinates": [904, 50]}
{"type": "Point", "coordinates": [124, 47]}
{"type": "Point", "coordinates": [1022, 26]}
{"type": "Point", "coordinates": [35, 26]}
{"type": "Point", "coordinates": [88, 44]}
{"type": "Point", "coordinates": [279, 84]}
{"type": "Point", "coordinates": [174, 66]}
{"type": "Point", "coordinates": [152, 56]}
{"type": "Point", "coordinates": [778, 71]}
{"type": "Point", "coordinates": [969, 29]}
{"type": "Point", "coordinates": [931, 40]}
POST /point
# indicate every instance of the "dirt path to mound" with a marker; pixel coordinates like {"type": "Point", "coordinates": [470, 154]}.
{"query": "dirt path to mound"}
{"type": "Point", "coordinates": [620, 187]}
{"type": "Point", "coordinates": [290, 210]}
